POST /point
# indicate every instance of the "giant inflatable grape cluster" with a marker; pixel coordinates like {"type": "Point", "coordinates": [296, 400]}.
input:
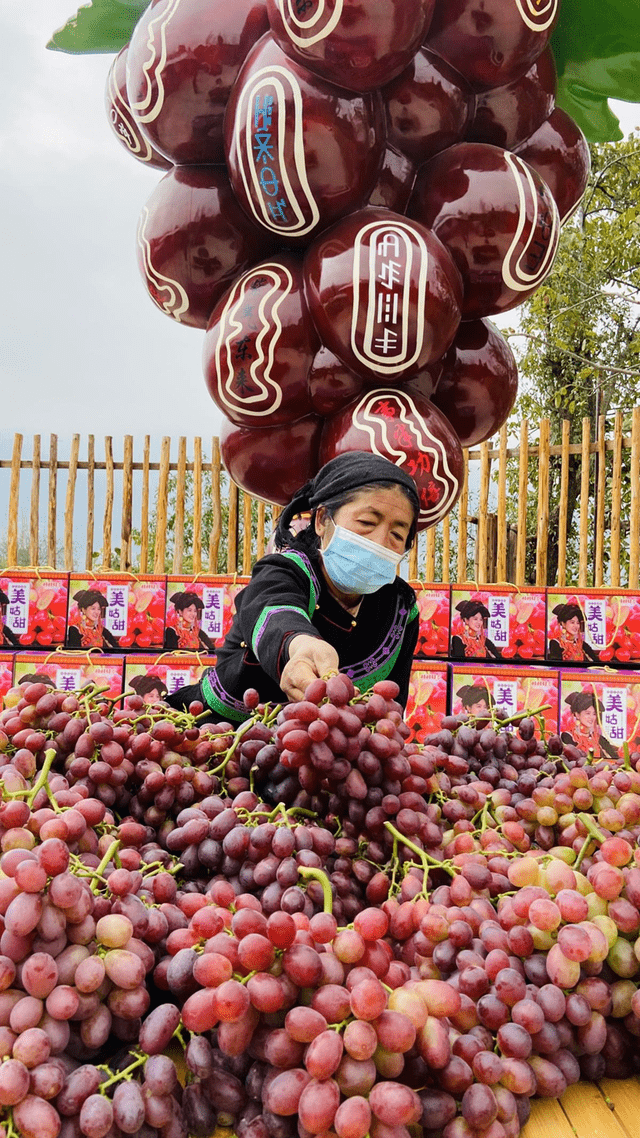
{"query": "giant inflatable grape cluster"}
{"type": "Point", "coordinates": [352, 188]}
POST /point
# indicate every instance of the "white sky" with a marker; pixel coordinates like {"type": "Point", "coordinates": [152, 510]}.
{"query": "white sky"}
{"type": "Point", "coordinates": [82, 347]}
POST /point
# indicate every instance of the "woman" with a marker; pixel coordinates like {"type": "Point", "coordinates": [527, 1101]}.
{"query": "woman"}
{"type": "Point", "coordinates": [187, 634]}
{"type": "Point", "coordinates": [586, 732]}
{"type": "Point", "coordinates": [475, 700]}
{"type": "Point", "coordinates": [151, 688]}
{"type": "Point", "coordinates": [90, 631]}
{"type": "Point", "coordinates": [331, 600]}
{"type": "Point", "coordinates": [570, 645]}
{"type": "Point", "coordinates": [473, 642]}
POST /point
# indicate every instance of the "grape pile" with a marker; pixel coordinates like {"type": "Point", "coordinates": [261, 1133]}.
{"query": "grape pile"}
{"type": "Point", "coordinates": [331, 928]}
{"type": "Point", "coordinates": [343, 189]}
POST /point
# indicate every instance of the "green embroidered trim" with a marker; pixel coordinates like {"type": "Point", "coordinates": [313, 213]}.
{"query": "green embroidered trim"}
{"type": "Point", "coordinates": [381, 673]}
{"type": "Point", "coordinates": [414, 614]}
{"type": "Point", "coordinates": [299, 561]}
{"type": "Point", "coordinates": [263, 618]}
{"type": "Point", "coordinates": [215, 704]}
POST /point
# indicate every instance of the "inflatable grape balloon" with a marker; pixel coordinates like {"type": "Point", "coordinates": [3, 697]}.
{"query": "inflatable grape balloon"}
{"type": "Point", "coordinates": [353, 187]}
{"type": "Point", "coordinates": [260, 346]}
{"type": "Point", "coordinates": [503, 253]}
{"type": "Point", "coordinates": [559, 152]}
{"type": "Point", "coordinates": [193, 241]}
{"type": "Point", "coordinates": [184, 57]}
{"type": "Point", "coordinates": [301, 152]}
{"type": "Point", "coordinates": [122, 119]}
{"type": "Point", "coordinates": [409, 431]}
{"type": "Point", "coordinates": [384, 294]}
{"type": "Point", "coordinates": [272, 462]}
{"type": "Point", "coordinates": [359, 44]}
{"type": "Point", "coordinates": [479, 382]}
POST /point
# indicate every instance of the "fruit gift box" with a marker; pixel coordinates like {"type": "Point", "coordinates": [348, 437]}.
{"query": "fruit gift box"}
{"type": "Point", "coordinates": [593, 626]}
{"type": "Point", "coordinates": [475, 690]}
{"type": "Point", "coordinates": [600, 711]}
{"type": "Point", "coordinates": [34, 613]}
{"type": "Point", "coordinates": [71, 671]}
{"type": "Point", "coordinates": [427, 702]}
{"type": "Point", "coordinates": [6, 674]}
{"type": "Point", "coordinates": [433, 606]}
{"type": "Point", "coordinates": [498, 622]}
{"type": "Point", "coordinates": [154, 677]}
{"type": "Point", "coordinates": [200, 611]}
{"type": "Point", "coordinates": [115, 611]}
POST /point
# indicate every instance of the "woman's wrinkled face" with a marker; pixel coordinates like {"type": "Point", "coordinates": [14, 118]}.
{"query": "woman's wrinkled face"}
{"type": "Point", "coordinates": [190, 614]}
{"type": "Point", "coordinates": [573, 627]}
{"type": "Point", "coordinates": [93, 612]}
{"type": "Point", "coordinates": [383, 515]}
{"type": "Point", "coordinates": [587, 718]}
{"type": "Point", "coordinates": [476, 622]}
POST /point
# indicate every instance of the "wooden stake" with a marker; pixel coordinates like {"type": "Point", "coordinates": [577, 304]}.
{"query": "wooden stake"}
{"type": "Point", "coordinates": [232, 529]}
{"type": "Point", "coordinates": [216, 514]}
{"type": "Point", "coordinates": [598, 572]}
{"type": "Point", "coordinates": [181, 486]}
{"type": "Point", "coordinates": [501, 553]}
{"type": "Point", "coordinates": [430, 555]}
{"type": "Point", "coordinates": [53, 501]}
{"type": "Point", "coordinates": [34, 511]}
{"type": "Point", "coordinates": [616, 500]}
{"type": "Point", "coordinates": [14, 499]}
{"type": "Point", "coordinates": [126, 520]}
{"type": "Point", "coordinates": [88, 559]}
{"type": "Point", "coordinates": [108, 504]}
{"type": "Point", "coordinates": [197, 505]}
{"type": "Point", "coordinates": [446, 548]}
{"type": "Point", "coordinates": [523, 490]}
{"type": "Point", "coordinates": [463, 505]}
{"type": "Point", "coordinates": [144, 507]}
{"type": "Point", "coordinates": [246, 534]}
{"type": "Point", "coordinates": [485, 475]}
{"type": "Point", "coordinates": [260, 543]}
{"type": "Point", "coordinates": [585, 472]}
{"type": "Point", "coordinates": [563, 513]}
{"type": "Point", "coordinates": [634, 520]}
{"type": "Point", "coordinates": [542, 536]}
{"type": "Point", "coordinates": [162, 507]}
{"type": "Point", "coordinates": [69, 503]}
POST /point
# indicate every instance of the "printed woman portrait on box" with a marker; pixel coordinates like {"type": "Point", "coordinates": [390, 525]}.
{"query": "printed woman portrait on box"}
{"type": "Point", "coordinates": [151, 688]}
{"type": "Point", "coordinates": [586, 732]}
{"type": "Point", "coordinates": [474, 699]}
{"type": "Point", "coordinates": [89, 630]}
{"type": "Point", "coordinates": [8, 639]}
{"type": "Point", "coordinates": [187, 635]}
{"type": "Point", "coordinates": [570, 645]}
{"type": "Point", "coordinates": [473, 642]}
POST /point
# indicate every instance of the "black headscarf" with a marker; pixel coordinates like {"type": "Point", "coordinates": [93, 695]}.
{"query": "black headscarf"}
{"type": "Point", "coordinates": [581, 700]}
{"type": "Point", "coordinates": [567, 612]}
{"type": "Point", "coordinates": [467, 609]}
{"type": "Point", "coordinates": [346, 472]}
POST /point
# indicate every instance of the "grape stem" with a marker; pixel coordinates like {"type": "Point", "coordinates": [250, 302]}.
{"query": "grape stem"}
{"type": "Point", "coordinates": [425, 858]}
{"type": "Point", "coordinates": [126, 1074]}
{"type": "Point", "coordinates": [583, 853]}
{"type": "Point", "coordinates": [99, 870]}
{"type": "Point", "coordinates": [43, 777]}
{"type": "Point", "coordinates": [596, 834]}
{"type": "Point", "coordinates": [318, 875]}
{"type": "Point", "coordinates": [239, 735]}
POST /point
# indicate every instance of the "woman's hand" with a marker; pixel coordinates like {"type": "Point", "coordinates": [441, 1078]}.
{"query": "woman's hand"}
{"type": "Point", "coordinates": [309, 659]}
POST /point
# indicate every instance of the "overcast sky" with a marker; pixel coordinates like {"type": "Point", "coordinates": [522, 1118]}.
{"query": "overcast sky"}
{"type": "Point", "coordinates": [82, 346]}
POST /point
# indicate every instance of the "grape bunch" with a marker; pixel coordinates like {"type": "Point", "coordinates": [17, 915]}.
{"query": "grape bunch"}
{"type": "Point", "coordinates": [289, 132]}
{"type": "Point", "coordinates": [421, 937]}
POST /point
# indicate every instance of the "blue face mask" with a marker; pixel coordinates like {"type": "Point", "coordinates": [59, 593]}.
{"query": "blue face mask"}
{"type": "Point", "coordinates": [357, 565]}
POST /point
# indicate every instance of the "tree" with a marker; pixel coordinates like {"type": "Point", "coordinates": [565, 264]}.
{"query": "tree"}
{"type": "Point", "coordinates": [578, 341]}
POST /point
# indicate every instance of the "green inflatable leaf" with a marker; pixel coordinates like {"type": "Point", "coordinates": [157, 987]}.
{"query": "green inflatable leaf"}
{"type": "Point", "coordinates": [100, 26]}
{"type": "Point", "coordinates": [596, 46]}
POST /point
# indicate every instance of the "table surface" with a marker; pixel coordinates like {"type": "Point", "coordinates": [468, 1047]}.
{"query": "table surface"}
{"type": "Point", "coordinates": [608, 1109]}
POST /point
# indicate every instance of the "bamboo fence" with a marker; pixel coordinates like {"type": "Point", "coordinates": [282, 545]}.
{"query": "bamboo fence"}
{"type": "Point", "coordinates": [180, 512]}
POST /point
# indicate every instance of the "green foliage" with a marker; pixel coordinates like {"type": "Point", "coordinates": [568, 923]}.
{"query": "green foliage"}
{"type": "Point", "coordinates": [578, 341]}
{"type": "Point", "coordinates": [98, 27]}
